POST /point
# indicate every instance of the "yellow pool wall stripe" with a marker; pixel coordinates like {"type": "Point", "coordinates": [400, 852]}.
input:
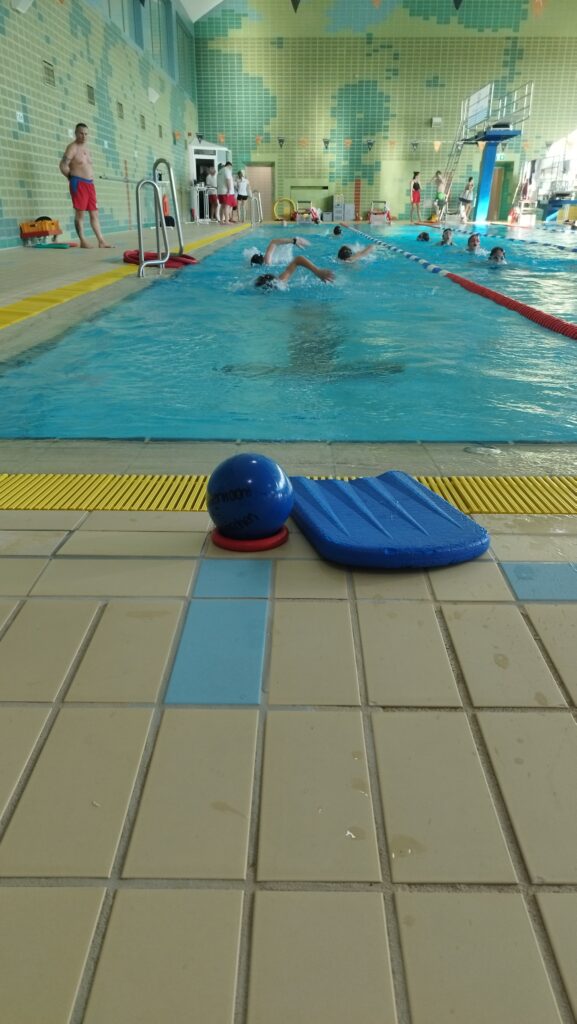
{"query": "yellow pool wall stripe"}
{"type": "Point", "coordinates": [490, 495]}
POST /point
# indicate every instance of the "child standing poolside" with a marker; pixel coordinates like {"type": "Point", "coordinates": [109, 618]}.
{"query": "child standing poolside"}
{"type": "Point", "coordinates": [416, 196]}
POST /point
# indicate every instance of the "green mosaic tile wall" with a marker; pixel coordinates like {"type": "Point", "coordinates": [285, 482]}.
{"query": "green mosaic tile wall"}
{"type": "Point", "coordinates": [84, 48]}
{"type": "Point", "coordinates": [353, 70]}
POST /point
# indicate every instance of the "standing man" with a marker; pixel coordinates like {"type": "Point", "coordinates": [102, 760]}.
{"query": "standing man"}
{"type": "Point", "coordinates": [225, 190]}
{"type": "Point", "coordinates": [76, 165]}
{"type": "Point", "coordinates": [210, 182]}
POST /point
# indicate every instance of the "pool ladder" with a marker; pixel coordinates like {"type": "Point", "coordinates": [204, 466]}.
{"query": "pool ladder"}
{"type": "Point", "coordinates": [153, 183]}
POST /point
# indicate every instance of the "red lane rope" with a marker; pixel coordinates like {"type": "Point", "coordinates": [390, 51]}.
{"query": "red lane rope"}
{"type": "Point", "coordinates": [552, 323]}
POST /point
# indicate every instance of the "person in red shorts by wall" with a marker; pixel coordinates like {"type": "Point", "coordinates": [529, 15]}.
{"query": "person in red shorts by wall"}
{"type": "Point", "coordinates": [76, 165]}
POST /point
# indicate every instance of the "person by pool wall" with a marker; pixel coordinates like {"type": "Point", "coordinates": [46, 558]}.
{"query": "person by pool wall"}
{"type": "Point", "coordinates": [50, 55]}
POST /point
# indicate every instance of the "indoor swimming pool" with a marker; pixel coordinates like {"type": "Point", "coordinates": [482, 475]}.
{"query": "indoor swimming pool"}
{"type": "Point", "coordinates": [388, 352]}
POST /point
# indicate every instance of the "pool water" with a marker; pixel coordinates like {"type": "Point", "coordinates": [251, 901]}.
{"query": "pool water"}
{"type": "Point", "coordinates": [388, 352]}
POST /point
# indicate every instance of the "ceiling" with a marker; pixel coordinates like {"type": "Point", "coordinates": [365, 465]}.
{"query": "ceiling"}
{"type": "Point", "coordinates": [196, 8]}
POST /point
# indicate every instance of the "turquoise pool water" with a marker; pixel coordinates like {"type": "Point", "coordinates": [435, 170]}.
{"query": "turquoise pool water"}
{"type": "Point", "coordinates": [388, 352]}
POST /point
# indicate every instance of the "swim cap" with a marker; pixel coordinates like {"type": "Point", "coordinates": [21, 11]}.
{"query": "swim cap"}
{"type": "Point", "coordinates": [257, 259]}
{"type": "Point", "coordinates": [338, 231]}
{"type": "Point", "coordinates": [345, 252]}
{"type": "Point", "coordinates": [265, 281]}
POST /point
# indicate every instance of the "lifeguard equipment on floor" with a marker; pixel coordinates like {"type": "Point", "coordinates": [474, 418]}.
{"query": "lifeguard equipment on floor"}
{"type": "Point", "coordinates": [42, 227]}
{"type": "Point", "coordinates": [175, 260]}
{"type": "Point", "coordinates": [288, 211]}
{"type": "Point", "coordinates": [379, 212]}
{"type": "Point", "coordinates": [384, 522]}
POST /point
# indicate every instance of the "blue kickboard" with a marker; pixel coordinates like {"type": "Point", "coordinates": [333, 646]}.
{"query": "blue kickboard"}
{"type": "Point", "coordinates": [384, 522]}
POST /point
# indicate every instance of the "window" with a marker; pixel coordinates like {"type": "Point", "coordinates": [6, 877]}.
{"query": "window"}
{"type": "Point", "coordinates": [48, 73]}
{"type": "Point", "coordinates": [160, 133]}
{"type": "Point", "coordinates": [90, 95]}
{"type": "Point", "coordinates": [157, 13]}
{"type": "Point", "coordinates": [117, 13]}
{"type": "Point", "coordinates": [142, 121]}
{"type": "Point", "coordinates": [185, 58]}
{"type": "Point", "coordinates": [120, 110]}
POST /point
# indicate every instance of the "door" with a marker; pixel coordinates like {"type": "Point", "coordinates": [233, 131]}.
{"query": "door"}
{"type": "Point", "coordinates": [496, 189]}
{"type": "Point", "coordinates": [261, 180]}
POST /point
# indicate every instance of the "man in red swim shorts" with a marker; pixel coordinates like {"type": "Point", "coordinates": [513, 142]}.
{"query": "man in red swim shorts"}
{"type": "Point", "coordinates": [76, 165]}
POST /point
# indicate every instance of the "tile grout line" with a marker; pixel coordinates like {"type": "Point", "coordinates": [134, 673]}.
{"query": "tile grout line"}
{"type": "Point", "coordinates": [397, 969]}
{"type": "Point", "coordinates": [112, 882]}
{"type": "Point", "coordinates": [567, 696]}
{"type": "Point", "coordinates": [242, 988]}
{"type": "Point", "coordinates": [520, 867]}
{"type": "Point", "coordinates": [56, 706]}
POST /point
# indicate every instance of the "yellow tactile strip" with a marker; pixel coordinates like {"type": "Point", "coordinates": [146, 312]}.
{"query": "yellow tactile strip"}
{"type": "Point", "coordinates": [36, 304]}
{"type": "Point", "coordinates": [497, 495]}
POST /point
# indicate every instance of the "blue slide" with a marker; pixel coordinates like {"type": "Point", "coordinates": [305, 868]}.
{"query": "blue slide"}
{"type": "Point", "coordinates": [384, 522]}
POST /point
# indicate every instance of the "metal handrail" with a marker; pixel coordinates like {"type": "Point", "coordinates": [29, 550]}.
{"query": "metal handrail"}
{"type": "Point", "coordinates": [160, 261]}
{"type": "Point", "coordinates": [156, 165]}
{"type": "Point", "coordinates": [256, 216]}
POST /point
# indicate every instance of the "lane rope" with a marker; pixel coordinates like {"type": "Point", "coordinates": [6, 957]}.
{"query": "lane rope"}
{"type": "Point", "coordinates": [538, 316]}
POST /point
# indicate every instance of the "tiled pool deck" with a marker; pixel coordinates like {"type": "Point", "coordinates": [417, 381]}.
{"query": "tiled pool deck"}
{"type": "Point", "coordinates": [264, 790]}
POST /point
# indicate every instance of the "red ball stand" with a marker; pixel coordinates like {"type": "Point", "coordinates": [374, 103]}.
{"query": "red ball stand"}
{"type": "Point", "coordinates": [258, 544]}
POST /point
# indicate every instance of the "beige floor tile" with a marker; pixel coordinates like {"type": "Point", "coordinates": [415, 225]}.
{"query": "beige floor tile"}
{"type": "Point", "coordinates": [316, 813]}
{"type": "Point", "coordinates": [303, 578]}
{"type": "Point", "coordinates": [295, 547]}
{"type": "Point", "coordinates": [556, 625]}
{"type": "Point", "coordinates": [528, 524]}
{"type": "Point", "coordinates": [386, 586]}
{"type": "Point", "coordinates": [405, 659]}
{"type": "Point", "coordinates": [560, 913]}
{"type": "Point", "coordinates": [69, 818]}
{"type": "Point", "coordinates": [117, 577]}
{"type": "Point", "coordinates": [500, 660]}
{"type": "Point", "coordinates": [534, 548]}
{"type": "Point", "coordinates": [18, 574]}
{"type": "Point", "coordinates": [472, 957]}
{"type": "Point", "coordinates": [45, 935]}
{"type": "Point", "coordinates": [204, 762]}
{"type": "Point", "coordinates": [29, 542]}
{"type": "Point", "coordinates": [127, 657]}
{"type": "Point", "coordinates": [6, 609]}
{"type": "Point", "coordinates": [312, 656]}
{"type": "Point", "coordinates": [535, 758]}
{"type": "Point", "coordinates": [331, 963]}
{"type": "Point", "coordinates": [19, 730]}
{"type": "Point", "coordinates": [168, 956]}
{"type": "Point", "coordinates": [21, 520]}
{"type": "Point", "coordinates": [439, 818]}
{"type": "Point", "coordinates": [134, 544]}
{"type": "Point", "coordinates": [162, 521]}
{"type": "Point", "coordinates": [473, 581]}
{"type": "Point", "coordinates": [36, 670]}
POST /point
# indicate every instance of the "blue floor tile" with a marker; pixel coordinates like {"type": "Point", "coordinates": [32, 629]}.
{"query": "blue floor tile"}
{"type": "Point", "coordinates": [221, 654]}
{"type": "Point", "coordinates": [232, 577]}
{"type": "Point", "coordinates": [542, 581]}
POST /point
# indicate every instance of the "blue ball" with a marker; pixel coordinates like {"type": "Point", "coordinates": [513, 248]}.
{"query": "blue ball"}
{"type": "Point", "coordinates": [249, 496]}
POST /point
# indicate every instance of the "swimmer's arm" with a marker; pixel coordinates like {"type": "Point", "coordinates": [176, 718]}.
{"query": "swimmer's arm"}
{"type": "Point", "coordinates": [362, 252]}
{"type": "Point", "coordinates": [299, 242]}
{"type": "Point", "coordinates": [64, 165]}
{"type": "Point", "coordinates": [302, 261]}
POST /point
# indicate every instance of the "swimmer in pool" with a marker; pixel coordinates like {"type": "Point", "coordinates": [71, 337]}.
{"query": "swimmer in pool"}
{"type": "Point", "coordinates": [497, 255]}
{"type": "Point", "coordinates": [347, 255]}
{"type": "Point", "coordinates": [271, 280]}
{"type": "Point", "coordinates": [338, 230]}
{"type": "Point", "coordinates": [424, 237]}
{"type": "Point", "coordinates": [474, 242]}
{"type": "Point", "coordinates": [447, 237]}
{"type": "Point", "coordinates": [266, 259]}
